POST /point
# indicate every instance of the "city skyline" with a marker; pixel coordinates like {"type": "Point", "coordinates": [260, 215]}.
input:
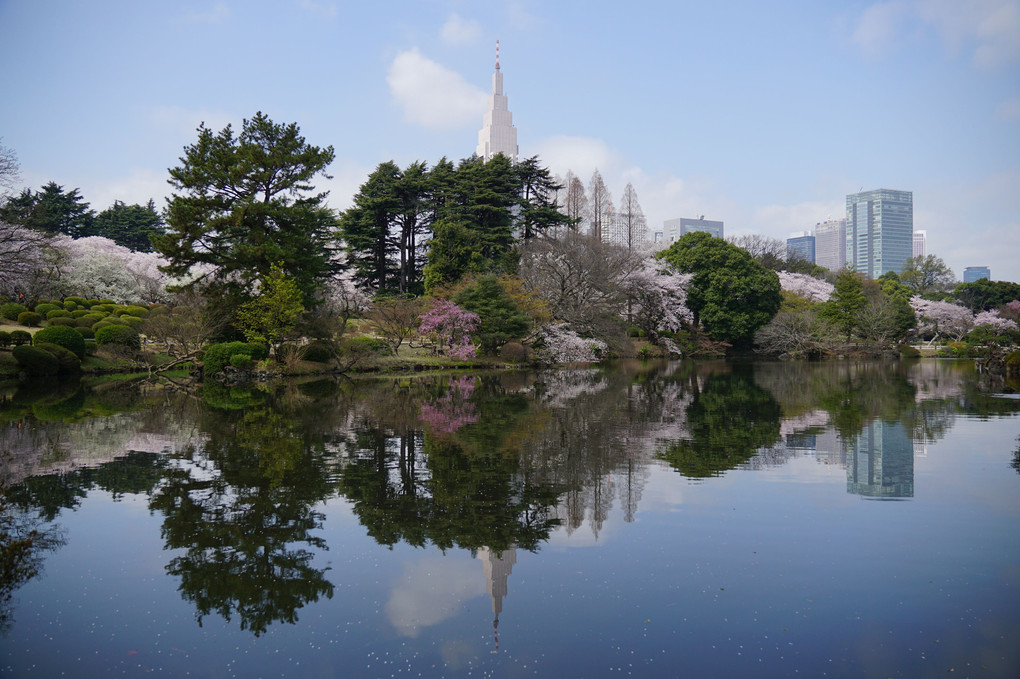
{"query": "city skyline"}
{"type": "Point", "coordinates": [109, 93]}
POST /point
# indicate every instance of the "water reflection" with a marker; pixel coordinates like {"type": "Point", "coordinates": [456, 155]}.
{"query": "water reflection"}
{"type": "Point", "coordinates": [488, 464]}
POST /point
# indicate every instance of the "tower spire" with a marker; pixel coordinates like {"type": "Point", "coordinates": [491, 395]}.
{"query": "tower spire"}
{"type": "Point", "coordinates": [497, 54]}
{"type": "Point", "coordinates": [498, 134]}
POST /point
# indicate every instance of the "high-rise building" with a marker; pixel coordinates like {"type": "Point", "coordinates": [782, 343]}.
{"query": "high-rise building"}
{"type": "Point", "coordinates": [920, 242]}
{"type": "Point", "coordinates": [801, 246]}
{"type": "Point", "coordinates": [675, 228]}
{"type": "Point", "coordinates": [830, 244]}
{"type": "Point", "coordinates": [976, 273]}
{"type": "Point", "coordinates": [879, 231]}
{"type": "Point", "coordinates": [498, 134]}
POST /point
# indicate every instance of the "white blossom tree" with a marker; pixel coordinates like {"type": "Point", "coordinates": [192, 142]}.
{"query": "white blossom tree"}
{"type": "Point", "coordinates": [806, 286]}
{"type": "Point", "coordinates": [941, 319]}
{"type": "Point", "coordinates": [658, 295]}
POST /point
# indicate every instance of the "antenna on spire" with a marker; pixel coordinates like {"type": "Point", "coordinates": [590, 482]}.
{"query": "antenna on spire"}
{"type": "Point", "coordinates": [497, 55]}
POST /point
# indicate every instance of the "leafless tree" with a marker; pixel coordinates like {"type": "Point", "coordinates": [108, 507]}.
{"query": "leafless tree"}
{"type": "Point", "coordinates": [581, 277]}
{"type": "Point", "coordinates": [10, 171]}
{"type": "Point", "coordinates": [576, 201]}
{"type": "Point", "coordinates": [600, 207]}
{"type": "Point", "coordinates": [631, 218]}
{"type": "Point", "coordinates": [395, 319]}
{"type": "Point", "coordinates": [25, 257]}
{"type": "Point", "coordinates": [769, 252]}
{"type": "Point", "coordinates": [186, 325]}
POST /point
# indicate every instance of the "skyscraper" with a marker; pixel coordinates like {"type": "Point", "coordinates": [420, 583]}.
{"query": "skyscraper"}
{"type": "Point", "coordinates": [498, 134]}
{"type": "Point", "coordinates": [801, 246]}
{"type": "Point", "coordinates": [920, 243]}
{"type": "Point", "coordinates": [975, 273]}
{"type": "Point", "coordinates": [830, 244]}
{"type": "Point", "coordinates": [675, 228]}
{"type": "Point", "coordinates": [879, 231]}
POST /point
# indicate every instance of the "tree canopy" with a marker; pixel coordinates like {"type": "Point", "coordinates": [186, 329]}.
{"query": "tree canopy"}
{"type": "Point", "coordinates": [130, 225]}
{"type": "Point", "coordinates": [731, 295]}
{"type": "Point", "coordinates": [244, 202]}
{"type": "Point", "coordinates": [51, 210]}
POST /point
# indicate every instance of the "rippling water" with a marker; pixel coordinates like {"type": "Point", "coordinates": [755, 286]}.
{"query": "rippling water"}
{"type": "Point", "coordinates": [682, 519]}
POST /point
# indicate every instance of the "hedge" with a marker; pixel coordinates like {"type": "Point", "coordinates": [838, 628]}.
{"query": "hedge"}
{"type": "Point", "coordinates": [118, 335]}
{"type": "Point", "coordinates": [10, 310]}
{"type": "Point", "coordinates": [215, 357]}
{"type": "Point", "coordinates": [29, 318]}
{"type": "Point", "coordinates": [35, 361]}
{"type": "Point", "coordinates": [64, 336]}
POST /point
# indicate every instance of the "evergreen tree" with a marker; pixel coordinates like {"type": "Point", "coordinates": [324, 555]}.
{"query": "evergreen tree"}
{"type": "Point", "coordinates": [130, 225]}
{"type": "Point", "coordinates": [51, 210]}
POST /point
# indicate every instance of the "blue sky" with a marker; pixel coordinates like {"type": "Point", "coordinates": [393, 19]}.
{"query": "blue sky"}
{"type": "Point", "coordinates": [763, 115]}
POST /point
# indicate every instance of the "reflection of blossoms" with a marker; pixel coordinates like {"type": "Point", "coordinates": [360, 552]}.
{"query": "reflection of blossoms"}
{"type": "Point", "coordinates": [454, 410]}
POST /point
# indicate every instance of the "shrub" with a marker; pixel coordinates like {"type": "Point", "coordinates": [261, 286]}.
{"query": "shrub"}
{"type": "Point", "coordinates": [19, 337]}
{"type": "Point", "coordinates": [241, 361]}
{"type": "Point", "coordinates": [120, 336]}
{"type": "Point", "coordinates": [10, 310]}
{"type": "Point", "coordinates": [62, 320]}
{"type": "Point", "coordinates": [366, 344]}
{"type": "Point", "coordinates": [44, 308]}
{"type": "Point", "coordinates": [91, 302]}
{"type": "Point", "coordinates": [29, 319]}
{"type": "Point", "coordinates": [101, 324]}
{"type": "Point", "coordinates": [35, 361]}
{"type": "Point", "coordinates": [103, 308]}
{"type": "Point", "coordinates": [136, 310]}
{"type": "Point", "coordinates": [217, 356]}
{"type": "Point", "coordinates": [57, 313]}
{"type": "Point", "coordinates": [108, 301]}
{"type": "Point", "coordinates": [80, 301]}
{"type": "Point", "coordinates": [319, 351]}
{"type": "Point", "coordinates": [5, 339]}
{"type": "Point", "coordinates": [78, 313]}
{"type": "Point", "coordinates": [907, 351]}
{"type": "Point", "coordinates": [62, 335]}
{"type": "Point", "coordinates": [132, 321]}
{"type": "Point", "coordinates": [69, 305]}
{"type": "Point", "coordinates": [67, 362]}
{"type": "Point", "coordinates": [513, 352]}
{"type": "Point", "coordinates": [86, 332]}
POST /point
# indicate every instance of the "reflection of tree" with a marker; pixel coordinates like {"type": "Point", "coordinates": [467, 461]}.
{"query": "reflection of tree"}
{"type": "Point", "coordinates": [238, 509]}
{"type": "Point", "coordinates": [729, 419]}
{"type": "Point", "coordinates": [1015, 464]}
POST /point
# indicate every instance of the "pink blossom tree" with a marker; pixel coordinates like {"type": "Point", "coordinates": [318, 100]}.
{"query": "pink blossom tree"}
{"type": "Point", "coordinates": [451, 327]}
{"type": "Point", "coordinates": [806, 286]}
{"type": "Point", "coordinates": [941, 319]}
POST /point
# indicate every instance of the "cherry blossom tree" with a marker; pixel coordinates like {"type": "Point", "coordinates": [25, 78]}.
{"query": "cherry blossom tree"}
{"type": "Point", "coordinates": [939, 319]}
{"type": "Point", "coordinates": [810, 287]}
{"type": "Point", "coordinates": [993, 319]}
{"type": "Point", "coordinates": [452, 327]}
{"type": "Point", "coordinates": [563, 345]}
{"type": "Point", "coordinates": [659, 295]}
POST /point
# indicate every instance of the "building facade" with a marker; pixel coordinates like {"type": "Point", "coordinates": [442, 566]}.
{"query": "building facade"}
{"type": "Point", "coordinates": [801, 247]}
{"type": "Point", "coordinates": [498, 134]}
{"type": "Point", "coordinates": [879, 231]}
{"type": "Point", "coordinates": [674, 229]}
{"type": "Point", "coordinates": [830, 244]}
{"type": "Point", "coordinates": [920, 243]}
{"type": "Point", "coordinates": [976, 273]}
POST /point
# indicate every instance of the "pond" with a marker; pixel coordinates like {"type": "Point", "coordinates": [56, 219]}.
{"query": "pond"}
{"type": "Point", "coordinates": [640, 519]}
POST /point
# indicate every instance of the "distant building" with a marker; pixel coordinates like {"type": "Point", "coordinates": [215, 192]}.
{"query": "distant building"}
{"type": "Point", "coordinates": [673, 229]}
{"type": "Point", "coordinates": [976, 273]}
{"type": "Point", "coordinates": [498, 134]}
{"type": "Point", "coordinates": [801, 247]}
{"type": "Point", "coordinates": [879, 231]}
{"type": "Point", "coordinates": [658, 237]}
{"type": "Point", "coordinates": [830, 244]}
{"type": "Point", "coordinates": [920, 238]}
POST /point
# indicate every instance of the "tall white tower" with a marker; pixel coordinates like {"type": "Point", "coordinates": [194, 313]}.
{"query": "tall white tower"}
{"type": "Point", "coordinates": [498, 134]}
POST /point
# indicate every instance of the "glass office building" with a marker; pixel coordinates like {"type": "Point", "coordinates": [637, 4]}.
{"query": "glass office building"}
{"type": "Point", "coordinates": [801, 247]}
{"type": "Point", "coordinates": [975, 273]}
{"type": "Point", "coordinates": [879, 231]}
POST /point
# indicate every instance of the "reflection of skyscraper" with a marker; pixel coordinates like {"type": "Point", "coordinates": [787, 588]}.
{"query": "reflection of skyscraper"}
{"type": "Point", "coordinates": [497, 567]}
{"type": "Point", "coordinates": [880, 462]}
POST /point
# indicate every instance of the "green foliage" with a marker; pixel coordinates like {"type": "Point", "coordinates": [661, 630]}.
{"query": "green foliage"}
{"type": "Point", "coordinates": [249, 195]}
{"type": "Point", "coordinates": [318, 351]}
{"type": "Point", "coordinates": [58, 313]}
{"type": "Point", "coordinates": [64, 336]}
{"type": "Point", "coordinates": [118, 335]}
{"type": "Point", "coordinates": [926, 274]}
{"type": "Point", "coordinates": [217, 356]}
{"type": "Point", "coordinates": [907, 351]}
{"type": "Point", "coordinates": [269, 317]}
{"type": "Point", "coordinates": [500, 319]}
{"type": "Point", "coordinates": [731, 295]}
{"type": "Point", "coordinates": [80, 301]}
{"type": "Point", "coordinates": [29, 318]}
{"type": "Point", "coordinates": [131, 321]}
{"type": "Point", "coordinates": [846, 302]}
{"type": "Point", "coordinates": [62, 320]}
{"type": "Point", "coordinates": [130, 225]}
{"type": "Point", "coordinates": [452, 254]}
{"type": "Point", "coordinates": [68, 363]}
{"type": "Point", "coordinates": [35, 362]}
{"type": "Point", "coordinates": [51, 210]}
{"type": "Point", "coordinates": [985, 295]}
{"type": "Point", "coordinates": [363, 345]}
{"type": "Point", "coordinates": [19, 337]}
{"type": "Point", "coordinates": [5, 339]}
{"type": "Point", "coordinates": [137, 311]}
{"type": "Point", "coordinates": [242, 361]}
{"type": "Point", "coordinates": [43, 308]}
{"type": "Point", "coordinates": [10, 310]}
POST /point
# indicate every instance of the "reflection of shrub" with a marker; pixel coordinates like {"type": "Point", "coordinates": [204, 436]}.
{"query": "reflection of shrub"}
{"type": "Point", "coordinates": [513, 352]}
{"type": "Point", "coordinates": [907, 351]}
{"type": "Point", "coordinates": [19, 337]}
{"type": "Point", "coordinates": [35, 361]}
{"type": "Point", "coordinates": [29, 318]}
{"type": "Point", "coordinates": [10, 310]}
{"type": "Point", "coordinates": [119, 335]}
{"type": "Point", "coordinates": [69, 338]}
{"type": "Point", "coordinates": [67, 361]}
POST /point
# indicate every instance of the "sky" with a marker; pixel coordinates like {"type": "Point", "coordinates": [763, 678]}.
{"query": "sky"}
{"type": "Point", "coordinates": [764, 115]}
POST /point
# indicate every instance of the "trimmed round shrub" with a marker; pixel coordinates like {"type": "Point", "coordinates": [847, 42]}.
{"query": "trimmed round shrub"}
{"type": "Point", "coordinates": [29, 318]}
{"type": "Point", "coordinates": [120, 336]}
{"type": "Point", "coordinates": [64, 336]}
{"type": "Point", "coordinates": [10, 310]}
{"type": "Point", "coordinates": [91, 302]}
{"type": "Point", "coordinates": [69, 305]}
{"type": "Point", "coordinates": [35, 361]}
{"type": "Point", "coordinates": [62, 320]}
{"type": "Point", "coordinates": [513, 352]}
{"type": "Point", "coordinates": [57, 313]}
{"type": "Point", "coordinates": [44, 308]}
{"type": "Point", "coordinates": [66, 360]}
{"type": "Point", "coordinates": [78, 313]}
{"type": "Point", "coordinates": [363, 344]}
{"type": "Point", "coordinates": [87, 333]}
{"type": "Point", "coordinates": [80, 301]}
{"type": "Point", "coordinates": [216, 356]}
{"type": "Point", "coordinates": [241, 361]}
{"type": "Point", "coordinates": [103, 308]}
{"type": "Point", "coordinates": [101, 324]}
{"type": "Point", "coordinates": [318, 351]}
{"type": "Point", "coordinates": [116, 320]}
{"type": "Point", "coordinates": [159, 310]}
{"type": "Point", "coordinates": [5, 339]}
{"type": "Point", "coordinates": [107, 301]}
{"type": "Point", "coordinates": [136, 310]}
{"type": "Point", "coordinates": [132, 321]}
{"type": "Point", "coordinates": [19, 337]}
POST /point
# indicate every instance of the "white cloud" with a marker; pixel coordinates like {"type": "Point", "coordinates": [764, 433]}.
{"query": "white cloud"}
{"type": "Point", "coordinates": [215, 15]}
{"type": "Point", "coordinates": [779, 221]}
{"type": "Point", "coordinates": [879, 26]}
{"type": "Point", "coordinates": [433, 96]}
{"type": "Point", "coordinates": [432, 590]}
{"type": "Point", "coordinates": [138, 186]}
{"type": "Point", "coordinates": [992, 27]}
{"type": "Point", "coordinates": [326, 10]}
{"type": "Point", "coordinates": [348, 177]}
{"type": "Point", "coordinates": [460, 31]}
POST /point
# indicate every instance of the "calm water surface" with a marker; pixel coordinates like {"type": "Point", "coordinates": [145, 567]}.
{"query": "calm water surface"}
{"type": "Point", "coordinates": [686, 519]}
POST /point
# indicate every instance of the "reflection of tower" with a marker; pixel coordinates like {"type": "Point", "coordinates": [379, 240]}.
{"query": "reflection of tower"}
{"type": "Point", "coordinates": [880, 463]}
{"type": "Point", "coordinates": [497, 567]}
